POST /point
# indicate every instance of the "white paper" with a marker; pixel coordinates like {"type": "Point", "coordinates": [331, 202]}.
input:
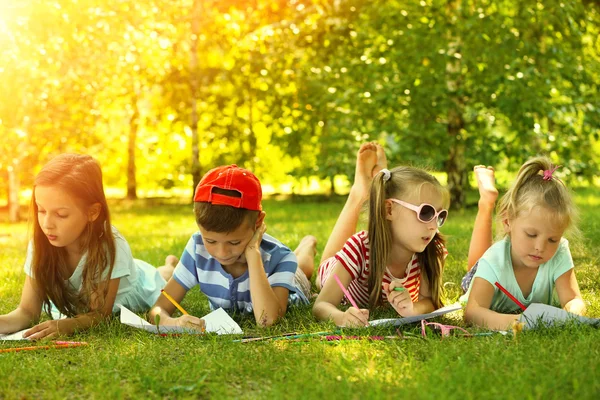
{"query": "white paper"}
{"type": "Point", "coordinates": [220, 322]}
{"type": "Point", "coordinates": [217, 321]}
{"type": "Point", "coordinates": [15, 336]}
{"type": "Point", "coordinates": [416, 318]}
{"type": "Point", "coordinates": [543, 313]}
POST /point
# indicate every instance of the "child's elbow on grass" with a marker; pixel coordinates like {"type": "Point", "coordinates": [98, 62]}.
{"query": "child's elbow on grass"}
{"type": "Point", "coordinates": [265, 322]}
{"type": "Point", "coordinates": [576, 306]}
{"type": "Point", "coordinates": [317, 311]}
{"type": "Point", "coordinates": [469, 316]}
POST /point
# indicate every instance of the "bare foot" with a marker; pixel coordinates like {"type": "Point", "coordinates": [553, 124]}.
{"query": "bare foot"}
{"type": "Point", "coordinates": [366, 160]}
{"type": "Point", "coordinates": [305, 253]}
{"type": "Point", "coordinates": [166, 271]}
{"type": "Point", "coordinates": [381, 160]}
{"type": "Point", "coordinates": [171, 260]}
{"type": "Point", "coordinates": [486, 182]}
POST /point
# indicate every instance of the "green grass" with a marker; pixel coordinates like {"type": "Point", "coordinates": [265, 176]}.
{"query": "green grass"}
{"type": "Point", "coordinates": [122, 362]}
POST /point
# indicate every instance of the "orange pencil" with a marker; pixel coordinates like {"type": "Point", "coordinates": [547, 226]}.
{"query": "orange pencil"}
{"type": "Point", "coordinates": [58, 345]}
{"type": "Point", "coordinates": [176, 304]}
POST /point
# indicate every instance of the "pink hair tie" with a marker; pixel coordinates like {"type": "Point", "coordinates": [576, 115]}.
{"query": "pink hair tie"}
{"type": "Point", "coordinates": [548, 173]}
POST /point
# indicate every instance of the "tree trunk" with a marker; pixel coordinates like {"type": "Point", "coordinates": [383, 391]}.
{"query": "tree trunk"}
{"type": "Point", "coordinates": [195, 25]}
{"type": "Point", "coordinates": [133, 129]}
{"type": "Point", "coordinates": [456, 170]}
{"type": "Point", "coordinates": [332, 181]}
{"type": "Point", "coordinates": [455, 163]}
{"type": "Point", "coordinates": [251, 136]}
{"type": "Point", "coordinates": [13, 193]}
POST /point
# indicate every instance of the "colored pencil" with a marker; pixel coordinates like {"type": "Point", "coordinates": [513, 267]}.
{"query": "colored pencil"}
{"type": "Point", "coordinates": [57, 345]}
{"type": "Point", "coordinates": [301, 335]}
{"type": "Point", "coordinates": [172, 300]}
{"type": "Point", "coordinates": [346, 293]}
{"type": "Point", "coordinates": [510, 296]}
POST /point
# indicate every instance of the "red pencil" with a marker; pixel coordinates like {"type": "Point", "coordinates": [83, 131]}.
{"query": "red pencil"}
{"type": "Point", "coordinates": [510, 296]}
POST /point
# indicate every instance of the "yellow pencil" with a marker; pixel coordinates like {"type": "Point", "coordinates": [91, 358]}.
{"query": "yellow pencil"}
{"type": "Point", "coordinates": [172, 300]}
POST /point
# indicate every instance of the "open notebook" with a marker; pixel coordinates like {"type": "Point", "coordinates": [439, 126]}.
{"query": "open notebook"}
{"type": "Point", "coordinates": [538, 313]}
{"type": "Point", "coordinates": [217, 321]}
{"type": "Point", "coordinates": [416, 318]}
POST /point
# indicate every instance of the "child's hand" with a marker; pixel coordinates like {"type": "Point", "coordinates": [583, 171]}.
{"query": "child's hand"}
{"type": "Point", "coordinates": [400, 300]}
{"type": "Point", "coordinates": [49, 330]}
{"type": "Point", "coordinates": [254, 243]}
{"type": "Point", "coordinates": [188, 322]}
{"type": "Point", "coordinates": [355, 318]}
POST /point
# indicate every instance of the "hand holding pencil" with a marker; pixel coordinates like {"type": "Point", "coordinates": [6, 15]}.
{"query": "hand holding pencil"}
{"type": "Point", "coordinates": [190, 322]}
{"type": "Point", "coordinates": [186, 320]}
{"type": "Point", "coordinates": [353, 316]}
{"type": "Point", "coordinates": [399, 298]}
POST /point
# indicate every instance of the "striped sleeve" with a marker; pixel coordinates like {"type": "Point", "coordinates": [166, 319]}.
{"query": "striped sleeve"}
{"type": "Point", "coordinates": [185, 272]}
{"type": "Point", "coordinates": [282, 268]}
{"type": "Point", "coordinates": [352, 255]}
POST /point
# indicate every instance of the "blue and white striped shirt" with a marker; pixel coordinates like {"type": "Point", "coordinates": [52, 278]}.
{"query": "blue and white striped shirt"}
{"type": "Point", "coordinates": [198, 267]}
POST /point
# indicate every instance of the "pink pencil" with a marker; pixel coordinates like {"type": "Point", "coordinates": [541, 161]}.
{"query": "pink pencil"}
{"type": "Point", "coordinates": [350, 299]}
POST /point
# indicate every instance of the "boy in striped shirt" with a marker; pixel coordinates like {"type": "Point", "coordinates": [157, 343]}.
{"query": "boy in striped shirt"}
{"type": "Point", "coordinates": [237, 266]}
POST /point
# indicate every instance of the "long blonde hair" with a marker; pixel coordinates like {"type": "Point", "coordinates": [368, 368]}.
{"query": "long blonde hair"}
{"type": "Point", "coordinates": [81, 177]}
{"type": "Point", "coordinates": [403, 181]}
{"type": "Point", "coordinates": [530, 189]}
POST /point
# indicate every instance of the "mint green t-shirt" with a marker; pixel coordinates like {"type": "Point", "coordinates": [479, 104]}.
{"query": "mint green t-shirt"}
{"type": "Point", "coordinates": [496, 266]}
{"type": "Point", "coordinates": [139, 286]}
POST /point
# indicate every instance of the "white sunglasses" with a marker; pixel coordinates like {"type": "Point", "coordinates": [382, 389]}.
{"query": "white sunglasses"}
{"type": "Point", "coordinates": [425, 212]}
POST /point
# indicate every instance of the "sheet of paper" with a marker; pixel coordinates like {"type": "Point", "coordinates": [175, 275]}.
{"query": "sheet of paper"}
{"type": "Point", "coordinates": [15, 336]}
{"type": "Point", "coordinates": [217, 321]}
{"type": "Point", "coordinates": [416, 318]}
{"type": "Point", "coordinates": [220, 322]}
{"type": "Point", "coordinates": [549, 315]}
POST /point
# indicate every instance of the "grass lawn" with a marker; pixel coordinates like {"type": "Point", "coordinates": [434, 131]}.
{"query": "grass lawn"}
{"type": "Point", "coordinates": [123, 362]}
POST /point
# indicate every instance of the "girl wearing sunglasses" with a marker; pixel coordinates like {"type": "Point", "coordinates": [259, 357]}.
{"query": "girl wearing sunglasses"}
{"type": "Point", "coordinates": [399, 260]}
{"type": "Point", "coordinates": [532, 260]}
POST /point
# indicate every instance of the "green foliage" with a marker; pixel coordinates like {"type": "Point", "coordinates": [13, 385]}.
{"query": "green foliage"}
{"type": "Point", "coordinates": [291, 88]}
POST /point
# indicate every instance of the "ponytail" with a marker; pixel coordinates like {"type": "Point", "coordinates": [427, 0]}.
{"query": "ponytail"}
{"type": "Point", "coordinates": [380, 238]}
{"type": "Point", "coordinates": [534, 186]}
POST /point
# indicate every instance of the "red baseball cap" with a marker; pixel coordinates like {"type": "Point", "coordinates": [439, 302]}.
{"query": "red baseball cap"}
{"type": "Point", "coordinates": [230, 177]}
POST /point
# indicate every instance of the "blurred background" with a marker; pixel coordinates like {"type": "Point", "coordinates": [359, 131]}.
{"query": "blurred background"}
{"type": "Point", "coordinates": [160, 91]}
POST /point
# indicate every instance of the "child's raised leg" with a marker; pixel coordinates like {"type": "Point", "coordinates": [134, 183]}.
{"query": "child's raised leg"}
{"type": "Point", "coordinates": [305, 253]}
{"type": "Point", "coordinates": [369, 161]}
{"type": "Point", "coordinates": [481, 238]}
{"type": "Point", "coordinates": [166, 271]}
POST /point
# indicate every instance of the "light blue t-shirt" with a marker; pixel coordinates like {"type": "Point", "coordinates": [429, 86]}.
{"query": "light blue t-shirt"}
{"type": "Point", "coordinates": [496, 266]}
{"type": "Point", "coordinates": [139, 286]}
{"type": "Point", "coordinates": [198, 267]}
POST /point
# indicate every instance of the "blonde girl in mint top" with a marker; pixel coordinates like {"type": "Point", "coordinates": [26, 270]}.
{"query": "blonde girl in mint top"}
{"type": "Point", "coordinates": [532, 261]}
{"type": "Point", "coordinates": [77, 265]}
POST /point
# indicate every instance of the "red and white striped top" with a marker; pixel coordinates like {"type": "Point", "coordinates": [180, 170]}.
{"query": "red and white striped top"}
{"type": "Point", "coordinates": [354, 256]}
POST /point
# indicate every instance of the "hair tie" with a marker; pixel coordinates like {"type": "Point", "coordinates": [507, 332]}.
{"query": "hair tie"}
{"type": "Point", "coordinates": [547, 176]}
{"type": "Point", "coordinates": [386, 174]}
